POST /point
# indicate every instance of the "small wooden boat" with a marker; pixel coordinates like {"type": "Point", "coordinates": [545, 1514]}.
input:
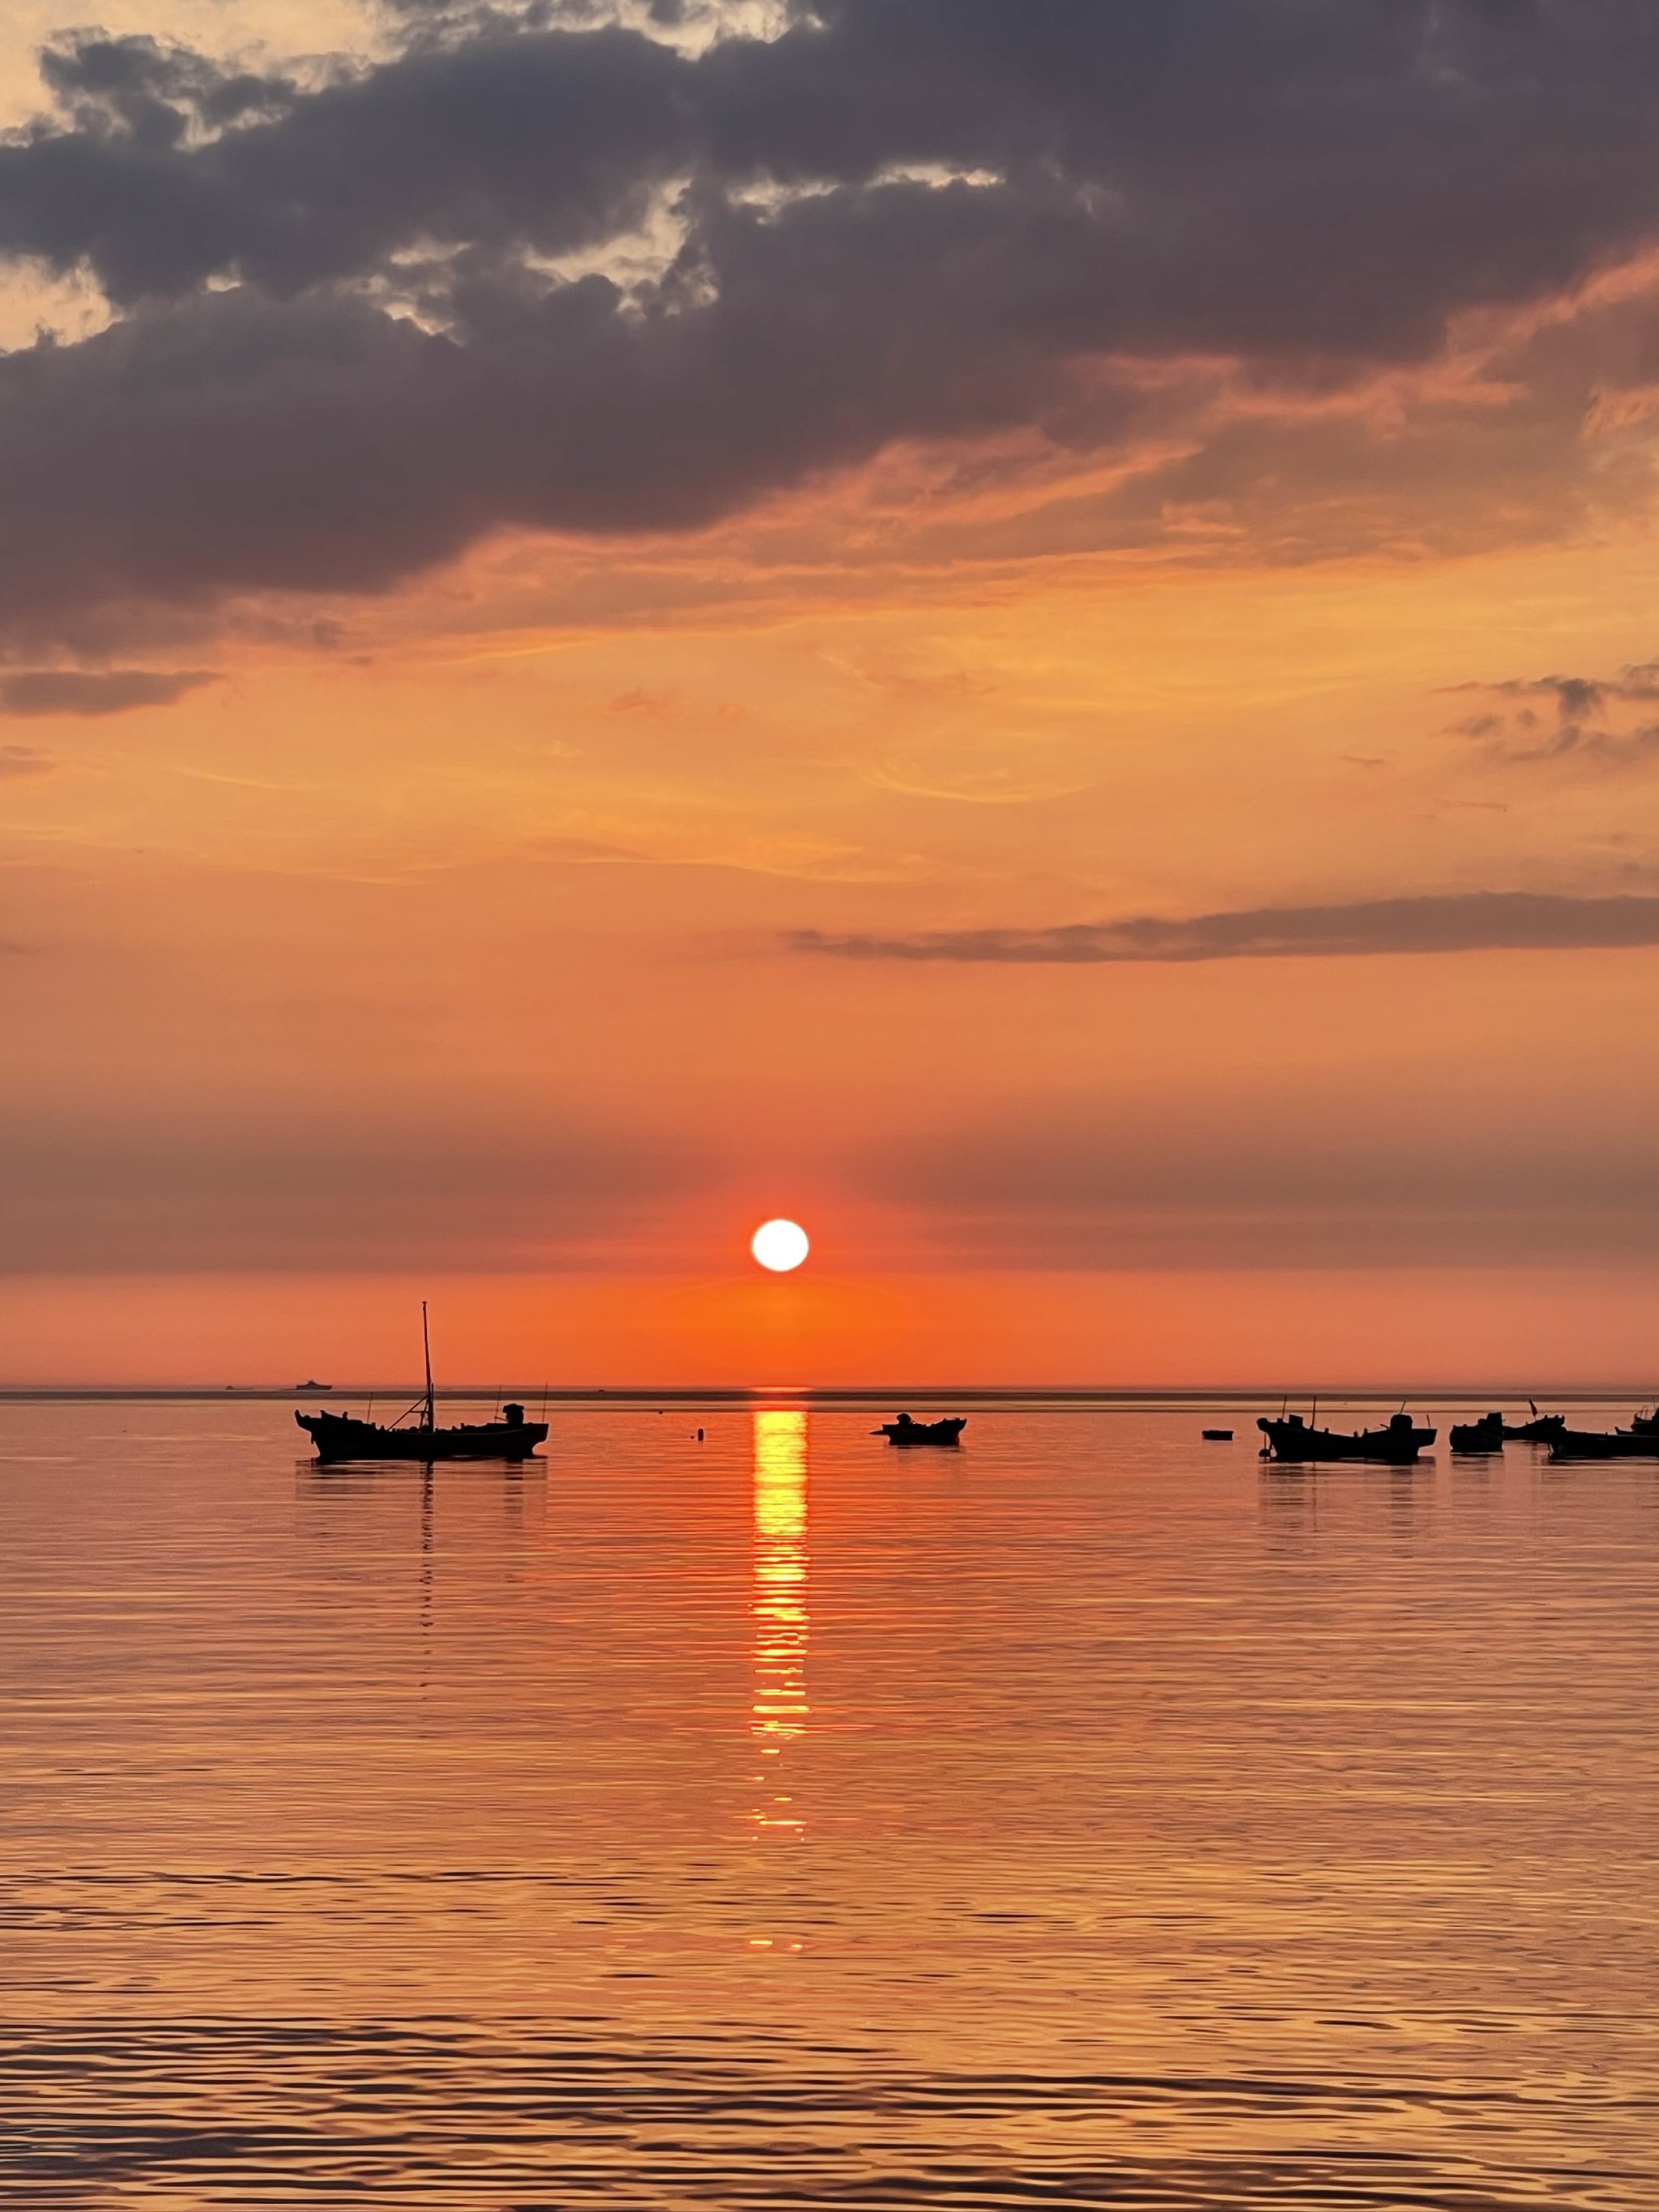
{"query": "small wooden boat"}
{"type": "Point", "coordinates": [1539, 1431]}
{"type": "Point", "coordinates": [1538, 1428]}
{"type": "Point", "coordinates": [1218, 1435]}
{"type": "Point", "coordinates": [1600, 1443]}
{"type": "Point", "coordinates": [906, 1431]}
{"type": "Point", "coordinates": [1294, 1440]}
{"type": "Point", "coordinates": [342, 1436]}
{"type": "Point", "coordinates": [1486, 1435]}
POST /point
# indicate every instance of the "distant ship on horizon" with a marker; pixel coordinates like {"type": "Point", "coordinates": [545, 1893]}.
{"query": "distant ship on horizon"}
{"type": "Point", "coordinates": [314, 1386]}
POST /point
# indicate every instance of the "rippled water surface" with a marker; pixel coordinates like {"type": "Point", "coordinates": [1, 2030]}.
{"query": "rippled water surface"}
{"type": "Point", "coordinates": [1092, 1817]}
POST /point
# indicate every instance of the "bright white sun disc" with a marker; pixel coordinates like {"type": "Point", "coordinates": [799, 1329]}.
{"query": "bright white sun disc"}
{"type": "Point", "coordinates": [780, 1245]}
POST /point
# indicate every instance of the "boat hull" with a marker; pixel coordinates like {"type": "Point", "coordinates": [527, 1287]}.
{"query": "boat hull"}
{"type": "Point", "coordinates": [1477, 1436]}
{"type": "Point", "coordinates": [941, 1435]}
{"type": "Point", "coordinates": [1597, 1444]}
{"type": "Point", "coordinates": [338, 1438]}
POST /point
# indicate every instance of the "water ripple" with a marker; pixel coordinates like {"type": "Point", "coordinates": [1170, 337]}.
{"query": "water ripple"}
{"type": "Point", "coordinates": [1089, 1818]}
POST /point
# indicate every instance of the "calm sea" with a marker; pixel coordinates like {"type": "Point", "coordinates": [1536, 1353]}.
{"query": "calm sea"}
{"type": "Point", "coordinates": [1091, 1817]}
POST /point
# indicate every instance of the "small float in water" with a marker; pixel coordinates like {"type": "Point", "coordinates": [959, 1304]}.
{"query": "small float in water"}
{"type": "Point", "coordinates": [906, 1431]}
{"type": "Point", "coordinates": [1218, 1435]}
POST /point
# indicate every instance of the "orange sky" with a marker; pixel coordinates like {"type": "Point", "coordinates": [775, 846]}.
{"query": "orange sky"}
{"type": "Point", "coordinates": [444, 939]}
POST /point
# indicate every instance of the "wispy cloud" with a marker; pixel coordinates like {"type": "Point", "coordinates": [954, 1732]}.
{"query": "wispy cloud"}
{"type": "Point", "coordinates": [1585, 726]}
{"type": "Point", "coordinates": [87, 691]}
{"type": "Point", "coordinates": [1467, 921]}
{"type": "Point", "coordinates": [25, 760]}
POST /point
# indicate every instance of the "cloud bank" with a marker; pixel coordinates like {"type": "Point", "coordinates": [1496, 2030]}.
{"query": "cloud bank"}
{"type": "Point", "coordinates": [85, 1192]}
{"type": "Point", "coordinates": [584, 280]}
{"type": "Point", "coordinates": [1472, 922]}
{"type": "Point", "coordinates": [1325, 1173]}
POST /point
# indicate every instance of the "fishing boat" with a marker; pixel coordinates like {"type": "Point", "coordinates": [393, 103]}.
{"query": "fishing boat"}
{"type": "Point", "coordinates": [1486, 1435]}
{"type": "Point", "coordinates": [906, 1431]}
{"type": "Point", "coordinates": [342, 1436]}
{"type": "Point", "coordinates": [1601, 1443]}
{"type": "Point", "coordinates": [1539, 1429]}
{"type": "Point", "coordinates": [1218, 1435]}
{"type": "Point", "coordinates": [1296, 1441]}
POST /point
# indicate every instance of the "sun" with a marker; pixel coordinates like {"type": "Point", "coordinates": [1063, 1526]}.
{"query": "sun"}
{"type": "Point", "coordinates": [780, 1245]}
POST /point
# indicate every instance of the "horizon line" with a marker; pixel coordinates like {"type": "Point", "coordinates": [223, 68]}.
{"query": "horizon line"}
{"type": "Point", "coordinates": [828, 1394]}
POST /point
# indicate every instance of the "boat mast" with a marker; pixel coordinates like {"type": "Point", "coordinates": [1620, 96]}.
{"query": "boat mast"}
{"type": "Point", "coordinates": [426, 1347]}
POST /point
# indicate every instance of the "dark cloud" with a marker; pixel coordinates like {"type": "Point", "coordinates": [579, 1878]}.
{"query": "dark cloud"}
{"type": "Point", "coordinates": [549, 141]}
{"type": "Point", "coordinates": [1579, 733]}
{"type": "Point", "coordinates": [1576, 697]}
{"type": "Point", "coordinates": [353, 339]}
{"type": "Point", "coordinates": [1469, 921]}
{"type": "Point", "coordinates": [95, 691]}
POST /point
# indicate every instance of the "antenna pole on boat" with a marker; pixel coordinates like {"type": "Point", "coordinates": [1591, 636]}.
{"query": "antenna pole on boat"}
{"type": "Point", "coordinates": [426, 1347]}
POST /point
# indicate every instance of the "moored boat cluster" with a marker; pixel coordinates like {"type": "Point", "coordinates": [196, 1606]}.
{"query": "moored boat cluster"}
{"type": "Point", "coordinates": [1398, 1441]}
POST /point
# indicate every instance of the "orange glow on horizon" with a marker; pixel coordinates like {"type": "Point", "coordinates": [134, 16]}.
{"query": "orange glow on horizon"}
{"type": "Point", "coordinates": [577, 850]}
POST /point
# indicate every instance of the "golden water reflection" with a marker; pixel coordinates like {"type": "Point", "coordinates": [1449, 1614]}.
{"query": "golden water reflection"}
{"type": "Point", "coordinates": [778, 1609]}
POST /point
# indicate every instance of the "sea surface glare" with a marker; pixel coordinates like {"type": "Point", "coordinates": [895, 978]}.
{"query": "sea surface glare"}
{"type": "Point", "coordinates": [1091, 1817]}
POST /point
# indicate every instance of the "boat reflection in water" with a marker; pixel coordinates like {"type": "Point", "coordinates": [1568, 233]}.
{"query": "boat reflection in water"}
{"type": "Point", "coordinates": [778, 1609]}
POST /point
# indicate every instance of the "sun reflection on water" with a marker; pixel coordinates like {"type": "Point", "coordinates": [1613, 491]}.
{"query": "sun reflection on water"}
{"type": "Point", "coordinates": [778, 1607]}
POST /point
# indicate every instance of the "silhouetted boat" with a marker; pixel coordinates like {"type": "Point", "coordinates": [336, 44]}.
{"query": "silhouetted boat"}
{"type": "Point", "coordinates": [1537, 1430]}
{"type": "Point", "coordinates": [1294, 1440]}
{"type": "Point", "coordinates": [1218, 1435]}
{"type": "Point", "coordinates": [1486, 1435]}
{"type": "Point", "coordinates": [339, 1437]}
{"type": "Point", "coordinates": [904, 1430]}
{"type": "Point", "coordinates": [1601, 1443]}
{"type": "Point", "coordinates": [342, 1436]}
